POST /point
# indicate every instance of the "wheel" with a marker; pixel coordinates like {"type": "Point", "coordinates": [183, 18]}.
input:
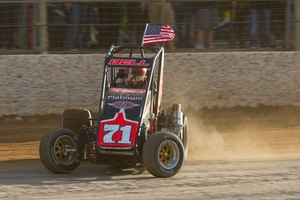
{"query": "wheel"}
{"type": "Point", "coordinates": [185, 136]}
{"type": "Point", "coordinates": [163, 154]}
{"type": "Point", "coordinates": [75, 118]}
{"type": "Point", "coordinates": [58, 151]}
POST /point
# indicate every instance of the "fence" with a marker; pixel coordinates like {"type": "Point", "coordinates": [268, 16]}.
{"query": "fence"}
{"type": "Point", "coordinates": [85, 26]}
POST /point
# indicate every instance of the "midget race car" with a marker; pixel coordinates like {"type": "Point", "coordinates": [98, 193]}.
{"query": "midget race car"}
{"type": "Point", "coordinates": [131, 129]}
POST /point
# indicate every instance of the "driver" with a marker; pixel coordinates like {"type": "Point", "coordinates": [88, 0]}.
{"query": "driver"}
{"type": "Point", "coordinates": [136, 77]}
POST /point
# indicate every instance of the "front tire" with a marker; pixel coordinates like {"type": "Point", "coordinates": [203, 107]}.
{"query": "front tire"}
{"type": "Point", "coordinates": [163, 154]}
{"type": "Point", "coordinates": [58, 151]}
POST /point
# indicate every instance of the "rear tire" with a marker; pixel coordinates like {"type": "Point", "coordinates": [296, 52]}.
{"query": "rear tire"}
{"type": "Point", "coordinates": [54, 154]}
{"type": "Point", "coordinates": [75, 118]}
{"type": "Point", "coordinates": [185, 136]}
{"type": "Point", "coordinates": [163, 154]}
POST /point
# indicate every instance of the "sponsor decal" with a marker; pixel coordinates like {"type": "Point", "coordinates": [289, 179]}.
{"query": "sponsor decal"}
{"type": "Point", "coordinates": [123, 104]}
{"type": "Point", "coordinates": [131, 62]}
{"type": "Point", "coordinates": [129, 98]}
{"type": "Point", "coordinates": [125, 90]}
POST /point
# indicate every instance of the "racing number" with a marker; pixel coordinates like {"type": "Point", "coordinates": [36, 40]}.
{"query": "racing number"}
{"type": "Point", "coordinates": [112, 129]}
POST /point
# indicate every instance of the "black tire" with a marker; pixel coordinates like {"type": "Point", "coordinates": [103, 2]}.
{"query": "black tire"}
{"type": "Point", "coordinates": [185, 136]}
{"type": "Point", "coordinates": [163, 154]}
{"type": "Point", "coordinates": [75, 118]}
{"type": "Point", "coordinates": [53, 154]}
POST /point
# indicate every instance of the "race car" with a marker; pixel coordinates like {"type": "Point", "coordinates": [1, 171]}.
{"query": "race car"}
{"type": "Point", "coordinates": [131, 128]}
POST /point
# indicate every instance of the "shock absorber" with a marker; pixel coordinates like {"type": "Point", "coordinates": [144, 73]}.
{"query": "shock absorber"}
{"type": "Point", "coordinates": [163, 121]}
{"type": "Point", "coordinates": [176, 119]}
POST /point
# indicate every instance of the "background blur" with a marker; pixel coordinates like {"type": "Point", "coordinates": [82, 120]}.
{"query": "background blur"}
{"type": "Point", "coordinates": [89, 26]}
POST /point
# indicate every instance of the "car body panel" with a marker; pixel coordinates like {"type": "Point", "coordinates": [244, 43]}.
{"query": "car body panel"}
{"type": "Point", "coordinates": [119, 122]}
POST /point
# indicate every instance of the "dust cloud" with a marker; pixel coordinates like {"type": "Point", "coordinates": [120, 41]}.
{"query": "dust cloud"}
{"type": "Point", "coordinates": [242, 134]}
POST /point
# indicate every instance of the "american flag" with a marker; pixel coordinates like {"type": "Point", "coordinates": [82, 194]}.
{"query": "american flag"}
{"type": "Point", "coordinates": [155, 33]}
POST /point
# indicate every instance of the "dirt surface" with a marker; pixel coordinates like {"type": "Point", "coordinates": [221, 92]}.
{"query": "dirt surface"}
{"type": "Point", "coordinates": [234, 153]}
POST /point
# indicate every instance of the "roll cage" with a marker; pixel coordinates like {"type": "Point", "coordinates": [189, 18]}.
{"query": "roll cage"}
{"type": "Point", "coordinates": [120, 57]}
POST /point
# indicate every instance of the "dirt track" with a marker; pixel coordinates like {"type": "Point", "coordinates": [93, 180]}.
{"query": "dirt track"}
{"type": "Point", "coordinates": [237, 153]}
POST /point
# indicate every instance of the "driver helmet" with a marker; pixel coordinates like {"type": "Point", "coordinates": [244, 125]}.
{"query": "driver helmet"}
{"type": "Point", "coordinates": [136, 77]}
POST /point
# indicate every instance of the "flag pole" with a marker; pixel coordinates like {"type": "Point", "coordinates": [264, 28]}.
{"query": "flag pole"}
{"type": "Point", "coordinates": [144, 34]}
